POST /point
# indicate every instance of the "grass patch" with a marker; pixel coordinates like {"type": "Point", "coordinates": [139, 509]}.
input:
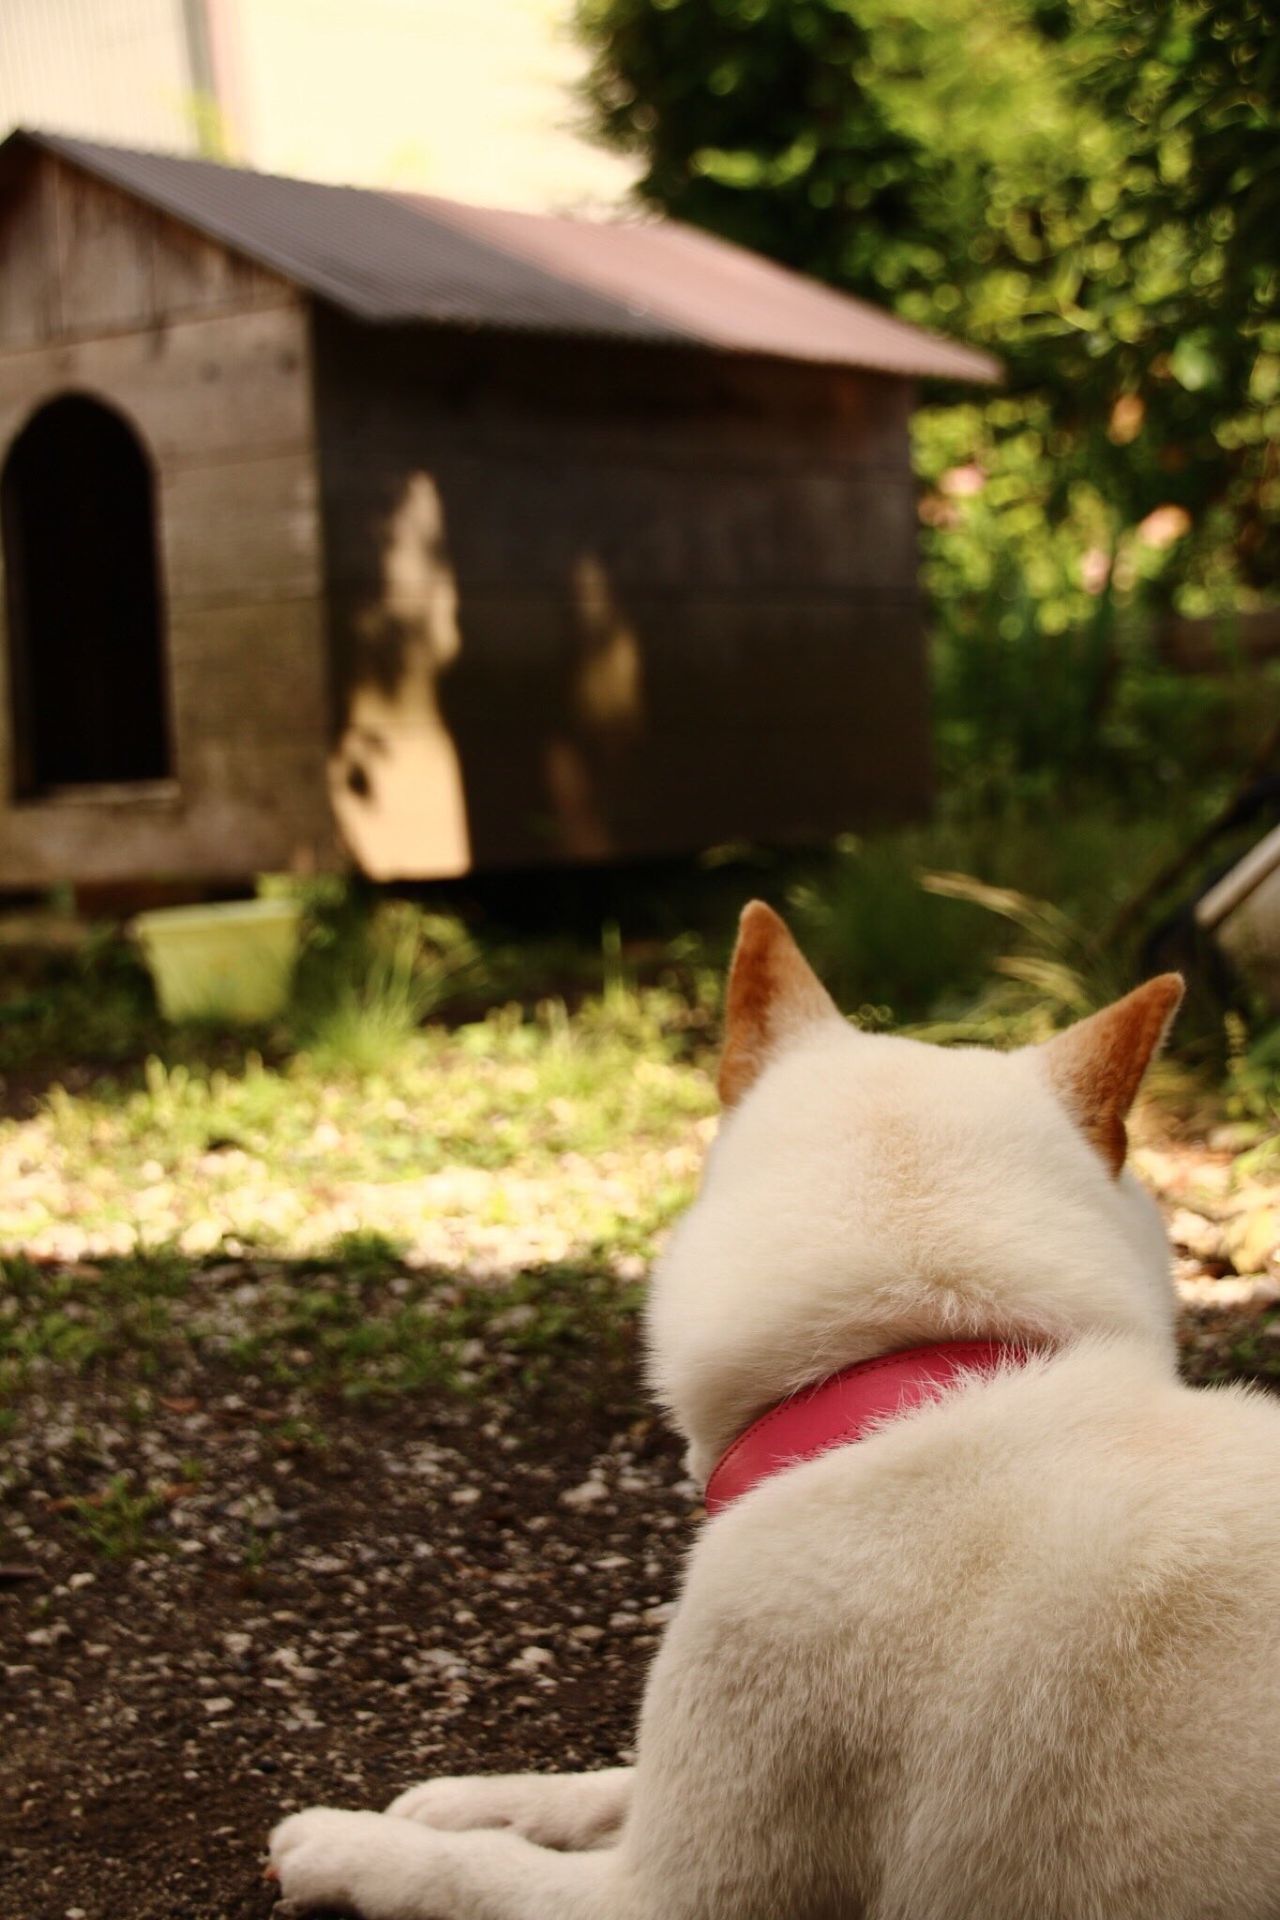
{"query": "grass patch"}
{"type": "Point", "coordinates": [551, 1130]}
{"type": "Point", "coordinates": [1256, 1354]}
{"type": "Point", "coordinates": [371, 974]}
{"type": "Point", "coordinates": [358, 1327]}
{"type": "Point", "coordinates": [901, 949]}
{"type": "Point", "coordinates": [567, 1133]}
{"type": "Point", "coordinates": [85, 1318]}
{"type": "Point", "coordinates": [329, 1332]}
{"type": "Point", "coordinates": [120, 1523]}
{"type": "Point", "coordinates": [1253, 1090]}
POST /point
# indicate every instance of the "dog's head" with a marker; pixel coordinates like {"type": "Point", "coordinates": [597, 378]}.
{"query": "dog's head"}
{"type": "Point", "coordinates": [868, 1192]}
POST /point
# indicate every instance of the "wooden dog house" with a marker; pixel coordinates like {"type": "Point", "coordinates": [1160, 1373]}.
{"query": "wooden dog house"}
{"type": "Point", "coordinates": [347, 526]}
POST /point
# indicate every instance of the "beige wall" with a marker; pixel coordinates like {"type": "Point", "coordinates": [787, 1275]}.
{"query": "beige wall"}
{"type": "Point", "coordinates": [209, 361]}
{"type": "Point", "coordinates": [473, 99]}
{"type": "Point", "coordinates": [107, 69]}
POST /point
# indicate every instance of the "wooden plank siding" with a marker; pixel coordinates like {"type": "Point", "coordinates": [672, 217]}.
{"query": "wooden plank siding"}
{"type": "Point", "coordinates": [208, 357]}
{"type": "Point", "coordinates": [665, 599]}
{"type": "Point", "coordinates": [440, 599]}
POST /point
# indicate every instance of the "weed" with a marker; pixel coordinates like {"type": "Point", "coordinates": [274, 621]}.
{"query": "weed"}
{"type": "Point", "coordinates": [298, 1435]}
{"type": "Point", "coordinates": [383, 975]}
{"type": "Point", "coordinates": [531, 1139]}
{"type": "Point", "coordinates": [79, 1319]}
{"type": "Point", "coordinates": [119, 1522]}
{"type": "Point", "coordinates": [256, 1554]}
{"type": "Point", "coordinates": [897, 948]}
{"type": "Point", "coordinates": [1256, 1355]}
{"type": "Point", "coordinates": [87, 997]}
{"type": "Point", "coordinates": [365, 1255]}
{"type": "Point", "coordinates": [1253, 1086]}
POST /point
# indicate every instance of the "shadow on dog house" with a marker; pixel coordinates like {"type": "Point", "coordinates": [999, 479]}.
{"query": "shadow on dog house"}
{"type": "Point", "coordinates": [343, 526]}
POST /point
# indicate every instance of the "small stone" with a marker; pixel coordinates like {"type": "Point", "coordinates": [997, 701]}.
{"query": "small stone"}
{"type": "Point", "coordinates": [48, 1636]}
{"type": "Point", "coordinates": [1253, 1239]}
{"type": "Point", "coordinates": [444, 1658]}
{"type": "Point", "coordinates": [1235, 1137]}
{"type": "Point", "coordinates": [1200, 1237]}
{"type": "Point", "coordinates": [531, 1659]}
{"type": "Point", "coordinates": [585, 1495]}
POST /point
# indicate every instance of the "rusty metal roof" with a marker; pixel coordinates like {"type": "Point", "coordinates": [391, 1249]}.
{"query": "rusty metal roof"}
{"type": "Point", "coordinates": [399, 257]}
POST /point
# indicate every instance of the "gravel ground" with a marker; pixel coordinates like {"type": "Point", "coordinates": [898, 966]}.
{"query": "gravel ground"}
{"type": "Point", "coordinates": [443, 1587]}
{"type": "Point", "coordinates": [325, 1602]}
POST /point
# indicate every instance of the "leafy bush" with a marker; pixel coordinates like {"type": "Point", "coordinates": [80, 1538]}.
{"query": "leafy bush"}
{"type": "Point", "coordinates": [907, 926]}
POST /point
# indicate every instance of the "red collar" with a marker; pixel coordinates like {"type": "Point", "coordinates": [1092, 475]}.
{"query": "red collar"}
{"type": "Point", "coordinates": [842, 1408]}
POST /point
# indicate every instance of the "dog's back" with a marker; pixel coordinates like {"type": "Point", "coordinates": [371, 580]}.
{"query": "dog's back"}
{"type": "Point", "coordinates": [1015, 1656]}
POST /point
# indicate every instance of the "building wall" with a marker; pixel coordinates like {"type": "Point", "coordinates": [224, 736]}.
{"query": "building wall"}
{"type": "Point", "coordinates": [470, 99]}
{"type": "Point", "coordinates": [105, 69]}
{"type": "Point", "coordinates": [208, 358]}
{"type": "Point", "coordinates": [592, 601]}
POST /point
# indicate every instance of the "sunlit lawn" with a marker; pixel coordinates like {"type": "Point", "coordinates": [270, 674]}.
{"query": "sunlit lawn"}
{"type": "Point", "coordinates": [499, 1144]}
{"type": "Point", "coordinates": [390, 1193]}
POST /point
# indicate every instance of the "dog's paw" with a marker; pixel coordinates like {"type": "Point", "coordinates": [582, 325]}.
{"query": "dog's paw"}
{"type": "Point", "coordinates": [455, 1805]}
{"type": "Point", "coordinates": [567, 1812]}
{"type": "Point", "coordinates": [329, 1859]}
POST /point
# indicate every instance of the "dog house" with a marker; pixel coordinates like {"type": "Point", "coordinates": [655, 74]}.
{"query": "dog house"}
{"type": "Point", "coordinates": [346, 526]}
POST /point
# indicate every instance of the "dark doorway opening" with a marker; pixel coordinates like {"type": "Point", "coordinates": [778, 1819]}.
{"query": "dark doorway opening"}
{"type": "Point", "coordinates": [86, 652]}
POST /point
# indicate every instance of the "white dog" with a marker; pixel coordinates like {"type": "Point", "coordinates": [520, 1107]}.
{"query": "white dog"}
{"type": "Point", "coordinates": [988, 1632]}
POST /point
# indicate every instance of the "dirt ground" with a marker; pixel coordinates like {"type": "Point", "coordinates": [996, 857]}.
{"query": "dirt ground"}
{"type": "Point", "coordinates": [446, 1587]}
{"type": "Point", "coordinates": [327, 1605]}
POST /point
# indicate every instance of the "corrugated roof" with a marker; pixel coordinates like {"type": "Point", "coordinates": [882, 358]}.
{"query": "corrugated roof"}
{"type": "Point", "coordinates": [397, 257]}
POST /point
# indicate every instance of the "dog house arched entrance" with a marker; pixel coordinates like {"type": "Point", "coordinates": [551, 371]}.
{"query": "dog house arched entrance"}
{"type": "Point", "coordinates": [86, 654]}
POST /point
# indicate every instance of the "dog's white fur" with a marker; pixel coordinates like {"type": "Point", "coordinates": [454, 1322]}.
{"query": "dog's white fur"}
{"type": "Point", "coordinates": [1014, 1657]}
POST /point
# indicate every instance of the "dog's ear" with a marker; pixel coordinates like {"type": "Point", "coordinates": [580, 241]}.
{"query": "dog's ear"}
{"type": "Point", "coordinates": [1097, 1066]}
{"type": "Point", "coordinates": [773, 995]}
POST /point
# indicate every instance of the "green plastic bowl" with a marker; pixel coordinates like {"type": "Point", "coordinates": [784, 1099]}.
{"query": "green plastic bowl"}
{"type": "Point", "coordinates": [232, 960]}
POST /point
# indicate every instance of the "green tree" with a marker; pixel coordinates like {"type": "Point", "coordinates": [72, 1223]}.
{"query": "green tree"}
{"type": "Point", "coordinates": [1091, 187]}
{"type": "Point", "coordinates": [852, 139]}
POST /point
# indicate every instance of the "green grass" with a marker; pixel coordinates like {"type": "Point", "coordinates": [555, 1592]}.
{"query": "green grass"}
{"type": "Point", "coordinates": [409, 1097]}
{"type": "Point", "coordinates": [895, 945]}
{"type": "Point", "coordinates": [604, 1108]}
{"type": "Point", "coordinates": [448, 1168]}
{"type": "Point", "coordinates": [1253, 1090]}
{"type": "Point", "coordinates": [374, 1164]}
{"type": "Point", "coordinates": [333, 1334]}
{"type": "Point", "coordinates": [81, 1318]}
{"type": "Point", "coordinates": [371, 974]}
{"type": "Point", "coordinates": [343, 1327]}
{"type": "Point", "coordinates": [119, 1522]}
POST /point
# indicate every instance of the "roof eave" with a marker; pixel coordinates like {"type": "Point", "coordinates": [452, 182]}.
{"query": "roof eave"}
{"type": "Point", "coordinates": [971, 367]}
{"type": "Point", "coordinates": [956, 362]}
